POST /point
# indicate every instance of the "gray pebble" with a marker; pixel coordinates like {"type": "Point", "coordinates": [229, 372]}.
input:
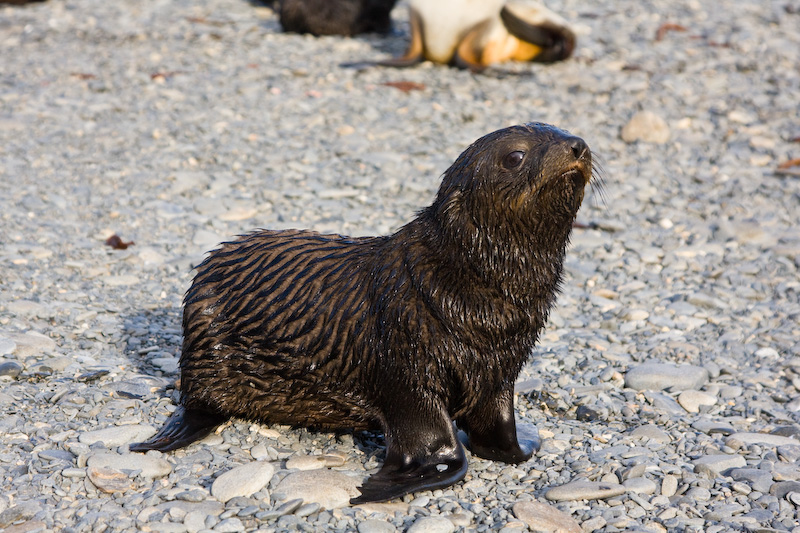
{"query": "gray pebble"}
{"type": "Point", "coordinates": [660, 376]}
{"type": "Point", "coordinates": [543, 517]}
{"type": "Point", "coordinates": [714, 464]}
{"type": "Point", "coordinates": [118, 435]}
{"type": "Point", "coordinates": [646, 126]}
{"type": "Point", "coordinates": [7, 346]}
{"type": "Point", "coordinates": [760, 480]}
{"type": "Point", "coordinates": [584, 490]}
{"type": "Point", "coordinates": [230, 525]}
{"type": "Point", "coordinates": [431, 524]}
{"type": "Point", "coordinates": [693, 400]}
{"type": "Point", "coordinates": [669, 485]}
{"type": "Point", "coordinates": [650, 431]}
{"type": "Point", "coordinates": [242, 480]}
{"type": "Point", "coordinates": [328, 488]}
{"type": "Point", "coordinates": [376, 526]}
{"type": "Point", "coordinates": [10, 369]}
{"type": "Point", "coordinates": [737, 440]}
{"type": "Point", "coordinates": [639, 485]}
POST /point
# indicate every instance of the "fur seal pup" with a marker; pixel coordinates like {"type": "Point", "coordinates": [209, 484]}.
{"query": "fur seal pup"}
{"type": "Point", "coordinates": [476, 33]}
{"type": "Point", "coordinates": [405, 333]}
{"type": "Point", "coordinates": [336, 17]}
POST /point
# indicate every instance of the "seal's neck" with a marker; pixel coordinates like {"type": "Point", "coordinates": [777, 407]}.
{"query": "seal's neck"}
{"type": "Point", "coordinates": [521, 260]}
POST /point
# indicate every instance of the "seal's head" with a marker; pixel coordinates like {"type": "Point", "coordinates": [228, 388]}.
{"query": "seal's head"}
{"type": "Point", "coordinates": [516, 188]}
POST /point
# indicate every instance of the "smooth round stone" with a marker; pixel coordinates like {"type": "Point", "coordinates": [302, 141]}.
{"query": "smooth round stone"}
{"type": "Point", "coordinates": [652, 432]}
{"type": "Point", "coordinates": [33, 343]}
{"type": "Point", "coordinates": [790, 453]}
{"type": "Point", "coordinates": [639, 485]}
{"type": "Point", "coordinates": [194, 521]}
{"type": "Point", "coordinates": [431, 524]}
{"type": "Point", "coordinates": [305, 462]}
{"type": "Point", "coordinates": [259, 451]}
{"type": "Point", "coordinates": [700, 494]}
{"type": "Point", "coordinates": [118, 435]}
{"type": "Point", "coordinates": [692, 400]}
{"type": "Point", "coordinates": [10, 369]}
{"type": "Point", "coordinates": [376, 526]}
{"type": "Point", "coordinates": [242, 480]}
{"type": "Point", "coordinates": [715, 464]}
{"type": "Point", "coordinates": [7, 346]}
{"type": "Point", "coordinates": [328, 488]}
{"type": "Point", "coordinates": [660, 376]}
{"type": "Point", "coordinates": [121, 280]}
{"type": "Point", "coordinates": [646, 126]}
{"type": "Point", "coordinates": [56, 455]}
{"type": "Point", "coordinates": [26, 308]}
{"type": "Point", "coordinates": [782, 488]}
{"type": "Point", "coordinates": [730, 391]}
{"type": "Point", "coordinates": [307, 509]}
{"type": "Point", "coordinates": [230, 525]}
{"type": "Point", "coordinates": [109, 480]}
{"type": "Point", "coordinates": [794, 497]}
{"type": "Point", "coordinates": [584, 490]}
{"type": "Point", "coordinates": [760, 480]}
{"type": "Point", "coordinates": [149, 467]}
{"type": "Point", "coordinates": [545, 518]}
{"type": "Point", "coordinates": [636, 314]}
{"type": "Point", "coordinates": [737, 440]}
{"type": "Point", "coordinates": [669, 485]}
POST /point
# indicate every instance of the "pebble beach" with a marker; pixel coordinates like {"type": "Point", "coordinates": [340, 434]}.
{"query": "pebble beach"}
{"type": "Point", "coordinates": [665, 388]}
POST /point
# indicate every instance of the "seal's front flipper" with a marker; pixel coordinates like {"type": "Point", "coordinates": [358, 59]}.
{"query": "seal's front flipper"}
{"type": "Point", "coordinates": [492, 432]}
{"type": "Point", "coordinates": [402, 475]}
{"type": "Point", "coordinates": [422, 451]}
{"type": "Point", "coordinates": [182, 428]}
{"type": "Point", "coordinates": [541, 27]}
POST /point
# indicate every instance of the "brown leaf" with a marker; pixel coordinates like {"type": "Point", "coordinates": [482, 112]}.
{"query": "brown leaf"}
{"type": "Point", "coordinates": [204, 20]}
{"type": "Point", "coordinates": [668, 27]}
{"type": "Point", "coordinates": [116, 242]}
{"type": "Point", "coordinates": [405, 86]}
{"type": "Point", "coordinates": [83, 75]}
{"type": "Point", "coordinates": [790, 163]}
{"type": "Point", "coordinates": [164, 75]}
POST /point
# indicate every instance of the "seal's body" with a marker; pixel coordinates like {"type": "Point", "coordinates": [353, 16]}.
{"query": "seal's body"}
{"type": "Point", "coordinates": [476, 33]}
{"type": "Point", "coordinates": [403, 333]}
{"type": "Point", "coordinates": [336, 17]}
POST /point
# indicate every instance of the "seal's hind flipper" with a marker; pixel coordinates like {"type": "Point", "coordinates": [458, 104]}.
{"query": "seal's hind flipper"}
{"type": "Point", "coordinates": [544, 29]}
{"type": "Point", "coordinates": [182, 428]}
{"type": "Point", "coordinates": [398, 478]}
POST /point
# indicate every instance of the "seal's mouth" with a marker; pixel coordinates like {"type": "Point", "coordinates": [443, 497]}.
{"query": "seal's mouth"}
{"type": "Point", "coordinates": [579, 174]}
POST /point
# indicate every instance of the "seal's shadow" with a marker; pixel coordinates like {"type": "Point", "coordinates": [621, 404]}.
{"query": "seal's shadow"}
{"type": "Point", "coordinates": [153, 337]}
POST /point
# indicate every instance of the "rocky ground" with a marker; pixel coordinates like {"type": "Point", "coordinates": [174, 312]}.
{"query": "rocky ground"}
{"type": "Point", "coordinates": [666, 387]}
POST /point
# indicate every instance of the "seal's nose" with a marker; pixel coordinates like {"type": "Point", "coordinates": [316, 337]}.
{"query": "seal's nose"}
{"type": "Point", "coordinates": [579, 147]}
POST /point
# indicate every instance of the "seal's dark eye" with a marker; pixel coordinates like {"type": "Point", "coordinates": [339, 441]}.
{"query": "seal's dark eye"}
{"type": "Point", "coordinates": [513, 159]}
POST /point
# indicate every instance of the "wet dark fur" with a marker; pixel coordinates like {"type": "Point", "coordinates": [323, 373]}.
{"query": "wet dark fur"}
{"type": "Point", "coordinates": [404, 332]}
{"type": "Point", "coordinates": [336, 17]}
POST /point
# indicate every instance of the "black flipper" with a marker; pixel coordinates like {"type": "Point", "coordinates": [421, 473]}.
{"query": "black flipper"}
{"type": "Point", "coordinates": [557, 43]}
{"type": "Point", "coordinates": [182, 428]}
{"type": "Point", "coordinates": [493, 435]}
{"type": "Point", "coordinates": [422, 453]}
